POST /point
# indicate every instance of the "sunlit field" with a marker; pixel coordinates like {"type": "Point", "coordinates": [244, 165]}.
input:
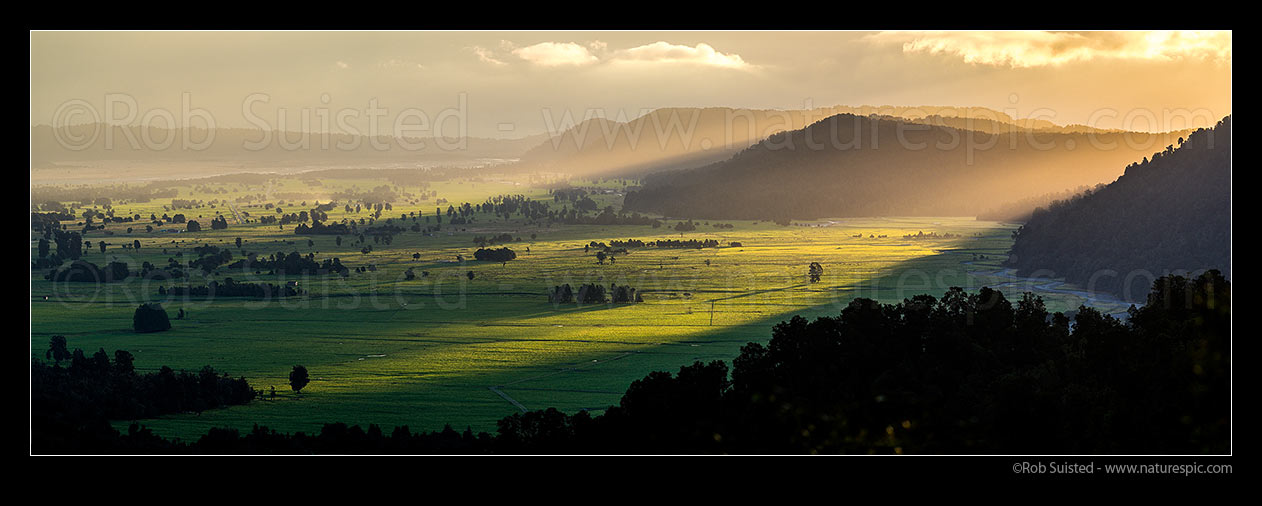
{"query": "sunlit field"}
{"type": "Point", "coordinates": [445, 349]}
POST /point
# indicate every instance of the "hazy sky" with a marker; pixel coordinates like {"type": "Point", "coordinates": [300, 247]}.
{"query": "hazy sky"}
{"type": "Point", "coordinates": [510, 84]}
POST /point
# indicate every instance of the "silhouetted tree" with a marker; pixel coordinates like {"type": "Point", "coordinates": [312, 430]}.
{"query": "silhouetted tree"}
{"type": "Point", "coordinates": [815, 272]}
{"type": "Point", "coordinates": [298, 378]}
{"type": "Point", "coordinates": [57, 350]}
{"type": "Point", "coordinates": [150, 317]}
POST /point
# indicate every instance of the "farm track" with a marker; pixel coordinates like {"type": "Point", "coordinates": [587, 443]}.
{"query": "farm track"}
{"type": "Point", "coordinates": [236, 214]}
{"type": "Point", "coordinates": [509, 399]}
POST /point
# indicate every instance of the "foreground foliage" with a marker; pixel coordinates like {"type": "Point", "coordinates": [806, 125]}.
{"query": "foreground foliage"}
{"type": "Point", "coordinates": [966, 373]}
{"type": "Point", "coordinates": [70, 405]}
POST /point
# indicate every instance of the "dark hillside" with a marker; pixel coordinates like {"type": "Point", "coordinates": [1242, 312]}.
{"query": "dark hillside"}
{"type": "Point", "coordinates": [848, 165]}
{"type": "Point", "coordinates": [1168, 213]}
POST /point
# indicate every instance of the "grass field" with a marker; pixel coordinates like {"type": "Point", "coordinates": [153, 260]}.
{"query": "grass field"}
{"type": "Point", "coordinates": [445, 349]}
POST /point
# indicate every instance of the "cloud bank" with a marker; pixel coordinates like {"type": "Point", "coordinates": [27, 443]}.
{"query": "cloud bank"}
{"type": "Point", "coordinates": [1027, 49]}
{"type": "Point", "coordinates": [557, 54]}
{"type": "Point", "coordinates": [664, 52]}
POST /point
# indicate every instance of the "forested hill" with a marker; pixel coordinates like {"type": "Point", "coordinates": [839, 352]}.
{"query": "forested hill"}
{"type": "Point", "coordinates": [686, 137]}
{"type": "Point", "coordinates": [1172, 212]}
{"type": "Point", "coordinates": [848, 165]}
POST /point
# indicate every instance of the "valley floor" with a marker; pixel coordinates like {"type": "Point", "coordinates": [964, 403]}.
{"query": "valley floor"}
{"type": "Point", "coordinates": [444, 349]}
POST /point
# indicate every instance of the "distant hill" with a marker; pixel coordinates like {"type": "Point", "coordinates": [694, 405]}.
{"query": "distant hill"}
{"type": "Point", "coordinates": [848, 165]}
{"type": "Point", "coordinates": [1170, 213]}
{"type": "Point", "coordinates": [1002, 124]}
{"type": "Point", "coordinates": [664, 139]}
{"type": "Point", "coordinates": [680, 138]}
{"type": "Point", "coordinates": [98, 141]}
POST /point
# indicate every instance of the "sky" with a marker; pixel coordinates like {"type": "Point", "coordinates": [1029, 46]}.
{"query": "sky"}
{"type": "Point", "coordinates": [513, 84]}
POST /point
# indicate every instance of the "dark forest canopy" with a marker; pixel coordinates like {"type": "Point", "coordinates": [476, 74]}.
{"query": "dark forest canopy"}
{"type": "Point", "coordinates": [1171, 213]}
{"type": "Point", "coordinates": [964, 373]}
{"type": "Point", "coordinates": [71, 404]}
{"type": "Point", "coordinates": [847, 165]}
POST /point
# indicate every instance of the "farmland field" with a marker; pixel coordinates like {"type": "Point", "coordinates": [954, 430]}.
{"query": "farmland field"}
{"type": "Point", "coordinates": [446, 349]}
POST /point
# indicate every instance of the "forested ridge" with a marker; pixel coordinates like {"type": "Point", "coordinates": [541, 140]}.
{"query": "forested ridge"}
{"type": "Point", "coordinates": [1165, 214]}
{"type": "Point", "coordinates": [850, 166]}
{"type": "Point", "coordinates": [677, 138]}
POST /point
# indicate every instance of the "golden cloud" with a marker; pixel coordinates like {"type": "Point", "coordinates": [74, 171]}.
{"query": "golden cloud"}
{"type": "Point", "coordinates": [1025, 49]}
{"type": "Point", "coordinates": [556, 54]}
{"type": "Point", "coordinates": [552, 54]}
{"type": "Point", "coordinates": [665, 52]}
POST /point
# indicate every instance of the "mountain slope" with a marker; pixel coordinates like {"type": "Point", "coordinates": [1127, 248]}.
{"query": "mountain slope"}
{"type": "Point", "coordinates": [1170, 213]}
{"type": "Point", "coordinates": [849, 165]}
{"type": "Point", "coordinates": [680, 138]}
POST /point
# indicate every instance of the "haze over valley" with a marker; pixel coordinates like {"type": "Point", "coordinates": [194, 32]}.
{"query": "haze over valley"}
{"type": "Point", "coordinates": [631, 242]}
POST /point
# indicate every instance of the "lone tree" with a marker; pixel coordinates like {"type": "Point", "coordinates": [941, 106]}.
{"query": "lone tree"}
{"type": "Point", "coordinates": [470, 275]}
{"type": "Point", "coordinates": [298, 378]}
{"type": "Point", "coordinates": [816, 270]}
{"type": "Point", "coordinates": [150, 317]}
{"type": "Point", "coordinates": [57, 350]}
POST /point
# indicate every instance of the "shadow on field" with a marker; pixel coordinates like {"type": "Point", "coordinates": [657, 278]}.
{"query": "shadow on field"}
{"type": "Point", "coordinates": [572, 380]}
{"type": "Point", "coordinates": [932, 274]}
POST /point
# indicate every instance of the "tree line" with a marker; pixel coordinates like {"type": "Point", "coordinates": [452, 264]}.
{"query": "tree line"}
{"type": "Point", "coordinates": [592, 293]}
{"type": "Point", "coordinates": [71, 403]}
{"type": "Point", "coordinates": [232, 288]}
{"type": "Point", "coordinates": [964, 373]}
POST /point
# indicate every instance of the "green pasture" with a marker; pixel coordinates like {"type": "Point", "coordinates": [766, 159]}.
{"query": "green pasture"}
{"type": "Point", "coordinates": [443, 349]}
